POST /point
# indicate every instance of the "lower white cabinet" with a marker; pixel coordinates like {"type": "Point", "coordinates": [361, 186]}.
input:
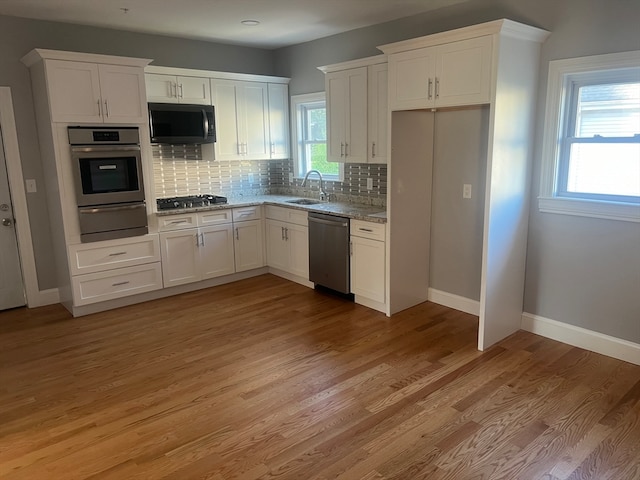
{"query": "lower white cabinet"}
{"type": "Point", "coordinates": [248, 238]}
{"type": "Point", "coordinates": [368, 260]}
{"type": "Point", "coordinates": [196, 254]}
{"type": "Point", "coordinates": [114, 268]}
{"type": "Point", "coordinates": [288, 242]}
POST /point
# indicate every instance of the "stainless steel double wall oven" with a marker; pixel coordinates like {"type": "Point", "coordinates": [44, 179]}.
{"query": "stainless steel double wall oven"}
{"type": "Point", "coordinates": [107, 168]}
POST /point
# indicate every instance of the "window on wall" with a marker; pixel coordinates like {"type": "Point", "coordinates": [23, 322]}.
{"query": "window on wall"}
{"type": "Point", "coordinates": [310, 134]}
{"type": "Point", "coordinates": [592, 138]}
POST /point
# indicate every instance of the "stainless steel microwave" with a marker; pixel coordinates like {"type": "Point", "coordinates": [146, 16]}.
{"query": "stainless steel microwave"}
{"type": "Point", "coordinates": [181, 123]}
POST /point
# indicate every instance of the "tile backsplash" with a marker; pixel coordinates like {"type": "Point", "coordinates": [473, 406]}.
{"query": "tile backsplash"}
{"type": "Point", "coordinates": [190, 170]}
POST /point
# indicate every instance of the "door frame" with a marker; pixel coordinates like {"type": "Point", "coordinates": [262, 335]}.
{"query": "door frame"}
{"type": "Point", "coordinates": [35, 297]}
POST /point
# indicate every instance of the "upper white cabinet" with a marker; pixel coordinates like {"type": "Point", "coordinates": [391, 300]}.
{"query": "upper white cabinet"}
{"type": "Point", "coordinates": [242, 119]}
{"type": "Point", "coordinates": [279, 120]}
{"type": "Point", "coordinates": [97, 93]}
{"type": "Point", "coordinates": [177, 89]}
{"type": "Point", "coordinates": [454, 73]}
{"type": "Point", "coordinates": [357, 110]}
{"type": "Point", "coordinates": [347, 115]}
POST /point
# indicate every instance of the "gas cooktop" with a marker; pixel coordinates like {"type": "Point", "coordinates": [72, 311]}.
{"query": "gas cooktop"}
{"type": "Point", "coordinates": [192, 201]}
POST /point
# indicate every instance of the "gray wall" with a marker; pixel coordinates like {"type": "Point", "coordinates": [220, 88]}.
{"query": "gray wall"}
{"type": "Point", "coordinates": [581, 271]}
{"type": "Point", "coordinates": [19, 36]}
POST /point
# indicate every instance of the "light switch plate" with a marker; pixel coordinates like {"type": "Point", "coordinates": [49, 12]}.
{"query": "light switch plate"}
{"type": "Point", "coordinates": [369, 183]}
{"type": "Point", "coordinates": [31, 185]}
{"type": "Point", "coordinates": [291, 178]}
{"type": "Point", "coordinates": [466, 190]}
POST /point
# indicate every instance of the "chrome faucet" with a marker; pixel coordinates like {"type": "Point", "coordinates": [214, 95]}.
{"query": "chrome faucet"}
{"type": "Point", "coordinates": [323, 193]}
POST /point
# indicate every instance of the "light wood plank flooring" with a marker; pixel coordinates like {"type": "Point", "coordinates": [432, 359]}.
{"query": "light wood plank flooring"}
{"type": "Point", "coordinates": [265, 379]}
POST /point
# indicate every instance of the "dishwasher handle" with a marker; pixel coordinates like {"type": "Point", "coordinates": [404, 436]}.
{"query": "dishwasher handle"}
{"type": "Point", "coordinates": [329, 222]}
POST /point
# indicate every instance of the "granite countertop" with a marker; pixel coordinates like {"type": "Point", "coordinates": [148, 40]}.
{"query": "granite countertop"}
{"type": "Point", "coordinates": [350, 210]}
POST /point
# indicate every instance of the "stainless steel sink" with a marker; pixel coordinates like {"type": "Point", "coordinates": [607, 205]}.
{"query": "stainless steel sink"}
{"type": "Point", "coordinates": [303, 201]}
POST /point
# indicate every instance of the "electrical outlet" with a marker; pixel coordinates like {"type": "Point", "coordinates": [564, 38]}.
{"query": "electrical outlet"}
{"type": "Point", "coordinates": [369, 183]}
{"type": "Point", "coordinates": [466, 190]}
{"type": "Point", "coordinates": [291, 178]}
{"type": "Point", "coordinates": [31, 185]}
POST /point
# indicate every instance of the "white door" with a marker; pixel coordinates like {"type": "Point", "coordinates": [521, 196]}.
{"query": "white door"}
{"type": "Point", "coordinates": [336, 88]}
{"type": "Point", "coordinates": [356, 121]}
{"type": "Point", "coordinates": [11, 285]}
{"type": "Point", "coordinates": [180, 257]}
{"type": "Point", "coordinates": [123, 94]}
{"type": "Point", "coordinates": [249, 250]}
{"type": "Point", "coordinates": [254, 121]}
{"type": "Point", "coordinates": [216, 251]}
{"type": "Point", "coordinates": [297, 238]}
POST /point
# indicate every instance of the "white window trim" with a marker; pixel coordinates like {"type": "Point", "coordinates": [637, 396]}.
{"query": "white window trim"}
{"type": "Point", "coordinates": [296, 100]}
{"type": "Point", "coordinates": [559, 72]}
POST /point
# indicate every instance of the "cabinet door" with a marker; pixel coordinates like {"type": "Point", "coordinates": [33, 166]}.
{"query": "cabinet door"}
{"type": "Point", "coordinates": [161, 88]}
{"type": "Point", "coordinates": [336, 96]}
{"type": "Point", "coordinates": [463, 72]}
{"type": "Point", "coordinates": [411, 79]}
{"type": "Point", "coordinates": [356, 116]}
{"type": "Point", "coordinates": [216, 251]}
{"type": "Point", "coordinates": [377, 90]}
{"type": "Point", "coordinates": [123, 94]}
{"type": "Point", "coordinates": [253, 118]}
{"type": "Point", "coordinates": [277, 247]}
{"type": "Point", "coordinates": [224, 94]}
{"type": "Point", "coordinates": [279, 120]}
{"type": "Point", "coordinates": [74, 91]}
{"type": "Point", "coordinates": [193, 90]}
{"type": "Point", "coordinates": [249, 247]}
{"type": "Point", "coordinates": [180, 257]}
{"type": "Point", "coordinates": [297, 238]}
{"type": "Point", "coordinates": [368, 268]}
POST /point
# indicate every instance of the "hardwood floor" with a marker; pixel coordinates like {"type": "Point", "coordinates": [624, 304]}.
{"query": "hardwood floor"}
{"type": "Point", "coordinates": [265, 379]}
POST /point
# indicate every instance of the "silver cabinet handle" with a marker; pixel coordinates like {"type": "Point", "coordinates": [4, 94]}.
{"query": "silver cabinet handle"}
{"type": "Point", "coordinates": [437, 87]}
{"type": "Point", "coordinates": [273, 148]}
{"type": "Point", "coordinates": [286, 234]}
{"type": "Point", "coordinates": [366, 230]}
{"type": "Point", "coordinates": [351, 248]}
{"type": "Point", "coordinates": [237, 233]}
{"type": "Point", "coordinates": [202, 239]}
{"type": "Point", "coordinates": [373, 149]}
{"type": "Point", "coordinates": [106, 108]}
{"type": "Point", "coordinates": [282, 232]}
{"type": "Point", "coordinates": [177, 222]}
{"type": "Point", "coordinates": [346, 149]}
{"type": "Point", "coordinates": [430, 89]}
{"type": "Point", "coordinates": [342, 149]}
{"type": "Point", "coordinates": [197, 239]}
{"type": "Point", "coordinates": [173, 90]}
{"type": "Point", "coordinates": [117, 254]}
{"type": "Point", "coordinates": [181, 91]}
{"type": "Point", "coordinates": [119, 284]}
{"type": "Point", "coordinates": [99, 107]}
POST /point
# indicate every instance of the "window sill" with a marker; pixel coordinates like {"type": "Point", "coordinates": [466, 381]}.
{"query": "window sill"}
{"type": "Point", "coordinates": [589, 208]}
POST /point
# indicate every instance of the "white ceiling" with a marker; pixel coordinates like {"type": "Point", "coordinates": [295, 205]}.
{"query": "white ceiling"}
{"type": "Point", "coordinates": [282, 22]}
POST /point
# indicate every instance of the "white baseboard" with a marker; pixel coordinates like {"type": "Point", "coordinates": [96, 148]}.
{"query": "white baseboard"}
{"type": "Point", "coordinates": [45, 297]}
{"type": "Point", "coordinates": [454, 301]}
{"type": "Point", "coordinates": [583, 338]}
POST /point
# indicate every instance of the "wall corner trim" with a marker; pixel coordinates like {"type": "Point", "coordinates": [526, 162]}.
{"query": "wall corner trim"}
{"type": "Point", "coordinates": [456, 302]}
{"type": "Point", "coordinates": [45, 297]}
{"type": "Point", "coordinates": [583, 338]}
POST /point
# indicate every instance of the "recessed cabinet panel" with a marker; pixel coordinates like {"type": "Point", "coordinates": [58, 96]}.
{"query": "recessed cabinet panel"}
{"type": "Point", "coordinates": [249, 245]}
{"type": "Point", "coordinates": [193, 90]}
{"type": "Point", "coordinates": [378, 129]}
{"type": "Point", "coordinates": [74, 91]}
{"type": "Point", "coordinates": [411, 79]}
{"type": "Point", "coordinates": [255, 108]}
{"type": "Point", "coordinates": [216, 251]}
{"type": "Point", "coordinates": [279, 120]}
{"type": "Point", "coordinates": [180, 259]}
{"type": "Point", "coordinates": [227, 144]}
{"type": "Point", "coordinates": [123, 94]}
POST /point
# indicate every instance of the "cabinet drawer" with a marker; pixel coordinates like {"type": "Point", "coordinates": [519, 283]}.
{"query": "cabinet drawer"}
{"type": "Point", "coordinates": [289, 215]}
{"type": "Point", "coordinates": [177, 222]}
{"type": "Point", "coordinates": [247, 213]}
{"type": "Point", "coordinates": [121, 282]}
{"type": "Point", "coordinates": [214, 217]}
{"type": "Point", "coordinates": [374, 231]}
{"type": "Point", "coordinates": [99, 256]}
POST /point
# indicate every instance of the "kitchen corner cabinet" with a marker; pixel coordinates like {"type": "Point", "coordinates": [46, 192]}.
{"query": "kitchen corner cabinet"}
{"type": "Point", "coordinates": [377, 113]}
{"type": "Point", "coordinates": [346, 93]}
{"type": "Point", "coordinates": [95, 93]}
{"type": "Point", "coordinates": [242, 120]}
{"type": "Point", "coordinates": [177, 89]}
{"type": "Point", "coordinates": [368, 260]}
{"type": "Point", "coordinates": [287, 234]}
{"type": "Point", "coordinates": [451, 74]}
{"type": "Point", "coordinates": [248, 238]}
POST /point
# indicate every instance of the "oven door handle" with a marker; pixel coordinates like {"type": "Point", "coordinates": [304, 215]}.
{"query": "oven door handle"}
{"type": "Point", "coordinates": [116, 208]}
{"type": "Point", "coordinates": [106, 148]}
{"type": "Point", "coordinates": [205, 124]}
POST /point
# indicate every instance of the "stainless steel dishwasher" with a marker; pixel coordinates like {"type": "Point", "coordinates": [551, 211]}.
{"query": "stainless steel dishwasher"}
{"type": "Point", "coordinates": [329, 251]}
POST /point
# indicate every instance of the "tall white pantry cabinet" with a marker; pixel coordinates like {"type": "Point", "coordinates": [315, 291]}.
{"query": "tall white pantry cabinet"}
{"type": "Point", "coordinates": [494, 64]}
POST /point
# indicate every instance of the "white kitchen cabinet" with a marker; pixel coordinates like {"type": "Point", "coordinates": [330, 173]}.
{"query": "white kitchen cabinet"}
{"type": "Point", "coordinates": [248, 238]}
{"type": "Point", "coordinates": [451, 74]}
{"type": "Point", "coordinates": [242, 120]}
{"type": "Point", "coordinates": [196, 254]}
{"type": "Point", "coordinates": [368, 260]}
{"type": "Point", "coordinates": [279, 120]}
{"type": "Point", "coordinates": [177, 89]}
{"type": "Point", "coordinates": [377, 113]}
{"type": "Point", "coordinates": [346, 92]}
{"type": "Point", "coordinates": [288, 241]}
{"type": "Point", "coordinates": [95, 93]}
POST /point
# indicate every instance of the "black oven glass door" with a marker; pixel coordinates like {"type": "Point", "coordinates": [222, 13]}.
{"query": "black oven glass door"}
{"type": "Point", "coordinates": [105, 175]}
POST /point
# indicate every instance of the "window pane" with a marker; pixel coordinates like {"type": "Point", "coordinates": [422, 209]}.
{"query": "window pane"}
{"type": "Point", "coordinates": [318, 156]}
{"type": "Point", "coordinates": [606, 169]}
{"type": "Point", "coordinates": [609, 110]}
{"type": "Point", "coordinates": [316, 124]}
